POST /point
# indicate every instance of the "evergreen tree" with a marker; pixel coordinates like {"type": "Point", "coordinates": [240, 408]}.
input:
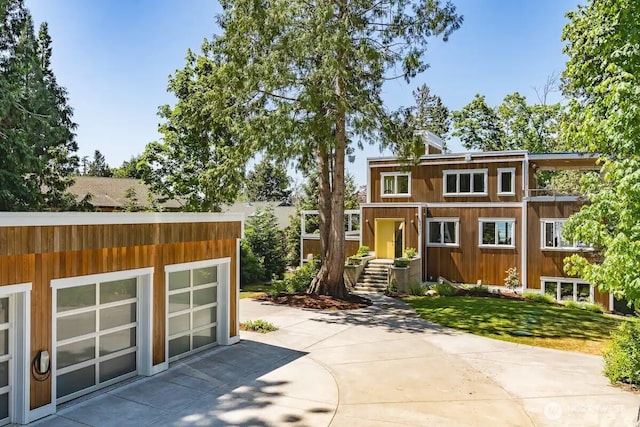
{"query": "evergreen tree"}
{"type": "Point", "coordinates": [266, 242]}
{"type": "Point", "coordinates": [267, 182]}
{"type": "Point", "coordinates": [128, 169]}
{"type": "Point", "coordinates": [98, 166]}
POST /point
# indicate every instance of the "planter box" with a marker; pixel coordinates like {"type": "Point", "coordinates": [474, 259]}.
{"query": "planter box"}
{"type": "Point", "coordinates": [352, 272]}
{"type": "Point", "coordinates": [402, 276]}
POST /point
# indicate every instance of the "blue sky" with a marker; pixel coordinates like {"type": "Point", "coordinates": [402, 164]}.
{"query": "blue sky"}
{"type": "Point", "coordinates": [115, 56]}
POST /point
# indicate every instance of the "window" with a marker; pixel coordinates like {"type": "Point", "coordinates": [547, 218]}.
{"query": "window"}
{"type": "Point", "coordinates": [506, 181]}
{"type": "Point", "coordinates": [567, 289]}
{"type": "Point", "coordinates": [465, 182]}
{"type": "Point", "coordinates": [352, 223]}
{"type": "Point", "coordinates": [443, 232]}
{"type": "Point", "coordinates": [497, 232]}
{"type": "Point", "coordinates": [396, 184]}
{"type": "Point", "coordinates": [551, 236]}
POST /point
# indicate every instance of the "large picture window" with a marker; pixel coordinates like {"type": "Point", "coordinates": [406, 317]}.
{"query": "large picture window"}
{"type": "Point", "coordinates": [396, 184]}
{"type": "Point", "coordinates": [497, 232]}
{"type": "Point", "coordinates": [465, 182]}
{"type": "Point", "coordinates": [567, 289]}
{"type": "Point", "coordinates": [443, 232]}
{"type": "Point", "coordinates": [551, 238]}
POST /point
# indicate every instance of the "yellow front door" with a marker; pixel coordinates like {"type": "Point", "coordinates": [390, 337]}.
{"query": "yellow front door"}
{"type": "Point", "coordinates": [389, 239]}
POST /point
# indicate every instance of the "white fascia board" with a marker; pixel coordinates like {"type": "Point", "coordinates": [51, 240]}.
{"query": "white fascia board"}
{"type": "Point", "coordinates": [462, 156]}
{"type": "Point", "coordinates": [18, 219]}
{"type": "Point", "coordinates": [563, 156]}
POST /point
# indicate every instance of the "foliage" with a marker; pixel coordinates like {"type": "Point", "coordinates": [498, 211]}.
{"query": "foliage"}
{"type": "Point", "coordinates": [298, 82]}
{"type": "Point", "coordinates": [259, 325]}
{"type": "Point", "coordinates": [538, 297]}
{"type": "Point", "coordinates": [514, 124]}
{"type": "Point", "coordinates": [601, 78]}
{"type": "Point", "coordinates": [300, 279]}
{"type": "Point", "coordinates": [479, 290]}
{"type": "Point", "coordinates": [552, 326]}
{"type": "Point", "coordinates": [267, 182]}
{"type": "Point", "coordinates": [444, 289]}
{"type": "Point", "coordinates": [277, 287]}
{"type": "Point", "coordinates": [622, 355]}
{"type": "Point", "coordinates": [354, 260]}
{"type": "Point", "coordinates": [266, 242]}
{"type": "Point", "coordinates": [415, 288]}
{"type": "Point", "coordinates": [131, 203]}
{"type": "Point", "coordinates": [250, 268]}
{"type": "Point", "coordinates": [401, 262]}
{"type": "Point", "coordinates": [128, 169]}
{"type": "Point", "coordinates": [98, 166]}
{"type": "Point", "coordinates": [253, 290]}
{"type": "Point", "coordinates": [363, 251]}
{"type": "Point", "coordinates": [512, 280]}
{"type": "Point", "coordinates": [573, 305]}
{"type": "Point", "coordinates": [596, 308]}
{"type": "Point", "coordinates": [392, 287]}
{"type": "Point", "coordinates": [410, 253]}
{"type": "Point", "coordinates": [37, 139]}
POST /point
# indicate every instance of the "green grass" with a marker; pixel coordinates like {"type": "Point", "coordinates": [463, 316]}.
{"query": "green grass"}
{"type": "Point", "coordinates": [552, 326]}
{"type": "Point", "coordinates": [259, 325]}
{"type": "Point", "coordinates": [254, 290]}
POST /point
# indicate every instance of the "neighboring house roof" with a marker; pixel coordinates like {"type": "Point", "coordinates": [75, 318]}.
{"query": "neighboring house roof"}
{"type": "Point", "coordinates": [110, 193]}
{"type": "Point", "coordinates": [282, 213]}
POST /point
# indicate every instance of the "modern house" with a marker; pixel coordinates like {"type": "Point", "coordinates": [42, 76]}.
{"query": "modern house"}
{"type": "Point", "coordinates": [472, 216]}
{"type": "Point", "coordinates": [88, 300]}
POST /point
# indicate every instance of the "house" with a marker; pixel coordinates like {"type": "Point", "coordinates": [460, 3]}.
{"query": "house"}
{"type": "Point", "coordinates": [111, 194]}
{"type": "Point", "coordinates": [88, 300]}
{"type": "Point", "coordinates": [472, 216]}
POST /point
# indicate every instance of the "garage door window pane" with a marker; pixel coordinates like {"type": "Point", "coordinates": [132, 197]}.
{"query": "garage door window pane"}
{"type": "Point", "coordinates": [203, 276]}
{"type": "Point", "coordinates": [4, 405]}
{"type": "Point", "coordinates": [204, 317]}
{"type": "Point", "coordinates": [118, 290]}
{"type": "Point", "coordinates": [77, 297]}
{"type": "Point", "coordinates": [179, 324]}
{"type": "Point", "coordinates": [179, 302]}
{"type": "Point", "coordinates": [4, 342]}
{"type": "Point", "coordinates": [179, 345]}
{"type": "Point", "coordinates": [76, 325]}
{"type": "Point", "coordinates": [71, 354]}
{"type": "Point", "coordinates": [205, 296]}
{"type": "Point", "coordinates": [4, 310]}
{"type": "Point", "coordinates": [179, 280]}
{"type": "Point", "coordinates": [204, 337]}
{"type": "Point", "coordinates": [116, 341]}
{"type": "Point", "coordinates": [121, 315]}
{"type": "Point", "coordinates": [116, 367]}
{"type": "Point", "coordinates": [76, 381]}
{"type": "Point", "coordinates": [4, 374]}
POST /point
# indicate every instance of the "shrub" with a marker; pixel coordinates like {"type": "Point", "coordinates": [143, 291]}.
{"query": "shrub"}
{"type": "Point", "coordinates": [444, 289]}
{"type": "Point", "coordinates": [411, 253]}
{"type": "Point", "coordinates": [392, 287]}
{"type": "Point", "coordinates": [259, 325]}
{"type": "Point", "coordinates": [512, 280]}
{"type": "Point", "coordinates": [416, 289]}
{"type": "Point", "coordinates": [250, 269]}
{"type": "Point", "coordinates": [300, 279]}
{"type": "Point", "coordinates": [573, 305]}
{"type": "Point", "coordinates": [478, 290]}
{"type": "Point", "coordinates": [596, 308]}
{"type": "Point", "coordinates": [622, 355]}
{"type": "Point", "coordinates": [277, 287]}
{"type": "Point", "coordinates": [266, 242]}
{"type": "Point", "coordinates": [354, 261]}
{"type": "Point", "coordinates": [363, 251]}
{"type": "Point", "coordinates": [401, 262]}
{"type": "Point", "coordinates": [538, 297]}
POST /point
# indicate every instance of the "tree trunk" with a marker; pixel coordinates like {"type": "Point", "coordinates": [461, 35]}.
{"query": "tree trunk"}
{"type": "Point", "coordinates": [324, 210]}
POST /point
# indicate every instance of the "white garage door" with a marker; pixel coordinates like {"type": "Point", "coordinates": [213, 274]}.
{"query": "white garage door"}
{"type": "Point", "coordinates": [96, 336]}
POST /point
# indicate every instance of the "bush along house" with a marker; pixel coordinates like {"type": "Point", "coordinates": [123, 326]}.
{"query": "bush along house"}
{"type": "Point", "coordinates": [473, 216]}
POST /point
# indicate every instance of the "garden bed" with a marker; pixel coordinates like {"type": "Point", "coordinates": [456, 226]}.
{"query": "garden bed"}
{"type": "Point", "coordinates": [317, 302]}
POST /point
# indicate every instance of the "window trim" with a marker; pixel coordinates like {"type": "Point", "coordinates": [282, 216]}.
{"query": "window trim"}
{"type": "Point", "coordinates": [396, 174]}
{"type": "Point", "coordinates": [459, 172]}
{"type": "Point", "coordinates": [572, 280]}
{"type": "Point", "coordinates": [442, 220]}
{"type": "Point", "coordinates": [495, 245]}
{"type": "Point", "coordinates": [543, 240]}
{"type": "Point", "coordinates": [513, 182]}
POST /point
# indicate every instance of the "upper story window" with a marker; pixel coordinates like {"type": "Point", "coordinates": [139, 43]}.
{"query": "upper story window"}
{"type": "Point", "coordinates": [443, 232]}
{"type": "Point", "coordinates": [497, 232]}
{"type": "Point", "coordinates": [464, 182]}
{"type": "Point", "coordinates": [396, 184]}
{"type": "Point", "coordinates": [552, 236]}
{"type": "Point", "coordinates": [506, 181]}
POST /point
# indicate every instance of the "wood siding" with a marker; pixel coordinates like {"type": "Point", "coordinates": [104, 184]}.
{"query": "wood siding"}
{"type": "Point", "coordinates": [41, 254]}
{"type": "Point", "coordinates": [469, 262]}
{"type": "Point", "coordinates": [426, 183]}
{"type": "Point", "coordinates": [312, 246]}
{"type": "Point", "coordinates": [370, 214]}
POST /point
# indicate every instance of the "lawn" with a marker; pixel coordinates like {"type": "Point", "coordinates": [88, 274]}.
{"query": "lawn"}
{"type": "Point", "coordinates": [552, 326]}
{"type": "Point", "coordinates": [254, 290]}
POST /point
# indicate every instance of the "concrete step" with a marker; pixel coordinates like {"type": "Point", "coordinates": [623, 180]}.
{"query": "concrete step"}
{"type": "Point", "coordinates": [375, 270]}
{"type": "Point", "coordinates": [375, 275]}
{"type": "Point", "coordinates": [373, 279]}
{"type": "Point", "coordinates": [364, 288]}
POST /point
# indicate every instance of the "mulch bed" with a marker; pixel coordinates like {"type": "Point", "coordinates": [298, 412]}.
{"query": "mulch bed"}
{"type": "Point", "coordinates": [318, 302]}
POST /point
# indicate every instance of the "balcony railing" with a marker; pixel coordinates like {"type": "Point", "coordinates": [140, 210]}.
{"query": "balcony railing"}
{"type": "Point", "coordinates": [550, 193]}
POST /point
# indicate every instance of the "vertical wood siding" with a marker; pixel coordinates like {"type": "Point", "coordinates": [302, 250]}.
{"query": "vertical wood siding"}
{"type": "Point", "coordinates": [312, 246]}
{"type": "Point", "coordinates": [370, 214]}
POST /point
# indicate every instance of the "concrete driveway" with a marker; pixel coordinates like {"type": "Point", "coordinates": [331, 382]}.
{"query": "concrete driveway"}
{"type": "Point", "coordinates": [379, 366]}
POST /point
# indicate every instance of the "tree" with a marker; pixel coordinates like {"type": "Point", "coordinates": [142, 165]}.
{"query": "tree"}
{"type": "Point", "coordinates": [98, 166]}
{"type": "Point", "coordinates": [37, 142]}
{"type": "Point", "coordinates": [302, 81]}
{"type": "Point", "coordinates": [513, 125]}
{"type": "Point", "coordinates": [267, 182]}
{"type": "Point", "coordinates": [128, 169]}
{"type": "Point", "coordinates": [601, 77]}
{"type": "Point", "coordinates": [266, 242]}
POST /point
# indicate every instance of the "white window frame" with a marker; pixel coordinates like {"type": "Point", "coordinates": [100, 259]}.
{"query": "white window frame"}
{"type": "Point", "coordinates": [557, 233]}
{"type": "Point", "coordinates": [512, 171]}
{"type": "Point", "coordinates": [571, 280]}
{"type": "Point", "coordinates": [495, 245]}
{"type": "Point", "coordinates": [459, 172]}
{"type": "Point", "coordinates": [442, 220]}
{"type": "Point", "coordinates": [222, 302]}
{"type": "Point", "coordinates": [383, 175]}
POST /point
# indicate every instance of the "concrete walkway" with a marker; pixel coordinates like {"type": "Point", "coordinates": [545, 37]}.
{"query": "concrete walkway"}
{"type": "Point", "coordinates": [379, 366]}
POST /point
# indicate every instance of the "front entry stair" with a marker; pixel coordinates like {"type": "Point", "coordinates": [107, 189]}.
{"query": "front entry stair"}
{"type": "Point", "coordinates": [375, 276]}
